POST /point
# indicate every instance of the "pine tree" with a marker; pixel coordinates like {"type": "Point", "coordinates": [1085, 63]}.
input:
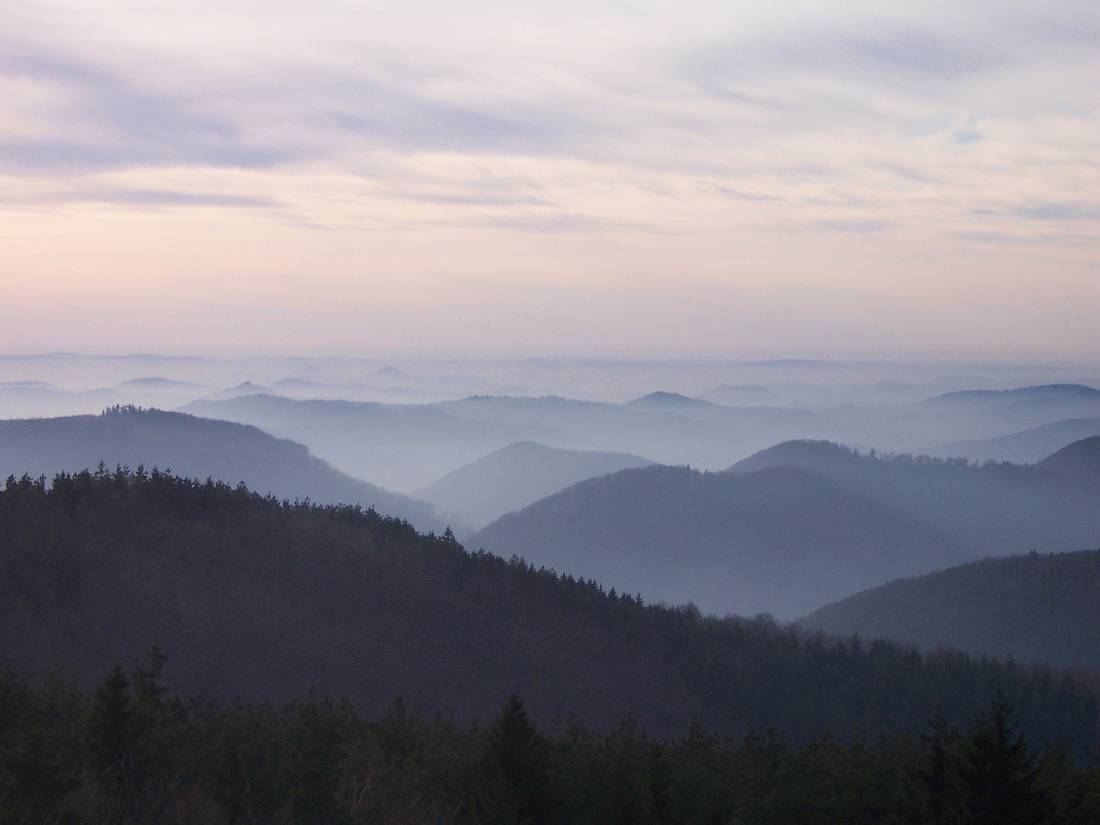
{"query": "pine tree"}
{"type": "Point", "coordinates": [514, 772]}
{"type": "Point", "coordinates": [999, 774]}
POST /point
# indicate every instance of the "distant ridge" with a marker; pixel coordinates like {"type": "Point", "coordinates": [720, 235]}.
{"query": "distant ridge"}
{"type": "Point", "coordinates": [195, 447]}
{"type": "Point", "coordinates": [517, 475]}
{"type": "Point", "coordinates": [1026, 446]}
{"type": "Point", "coordinates": [782, 540]}
{"type": "Point", "coordinates": [985, 510]}
{"type": "Point", "coordinates": [1037, 607]}
{"type": "Point", "coordinates": [1040, 392]}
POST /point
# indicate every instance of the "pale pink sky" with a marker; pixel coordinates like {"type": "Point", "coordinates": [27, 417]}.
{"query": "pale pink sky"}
{"type": "Point", "coordinates": [794, 177]}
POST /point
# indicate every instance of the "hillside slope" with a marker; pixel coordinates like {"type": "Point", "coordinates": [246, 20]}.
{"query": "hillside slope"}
{"type": "Point", "coordinates": [1024, 447]}
{"type": "Point", "coordinates": [400, 446]}
{"type": "Point", "coordinates": [1038, 607]}
{"type": "Point", "coordinates": [515, 476]}
{"type": "Point", "coordinates": [262, 601]}
{"type": "Point", "coordinates": [195, 447]}
{"type": "Point", "coordinates": [986, 510]}
{"type": "Point", "coordinates": [782, 541]}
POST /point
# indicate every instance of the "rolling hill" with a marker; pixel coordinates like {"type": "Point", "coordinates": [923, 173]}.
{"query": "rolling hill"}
{"type": "Point", "coordinates": [782, 540]}
{"type": "Point", "coordinates": [400, 446]}
{"type": "Point", "coordinates": [258, 600]}
{"type": "Point", "coordinates": [1024, 447]}
{"type": "Point", "coordinates": [195, 447]}
{"type": "Point", "coordinates": [984, 510]}
{"type": "Point", "coordinates": [1038, 607]}
{"type": "Point", "coordinates": [515, 476]}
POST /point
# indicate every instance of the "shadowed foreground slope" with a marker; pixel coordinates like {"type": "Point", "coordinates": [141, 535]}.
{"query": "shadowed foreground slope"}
{"type": "Point", "coordinates": [255, 599]}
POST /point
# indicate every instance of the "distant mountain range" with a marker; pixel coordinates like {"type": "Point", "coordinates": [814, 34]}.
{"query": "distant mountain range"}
{"type": "Point", "coordinates": [402, 447]}
{"type": "Point", "coordinates": [1038, 607]}
{"type": "Point", "coordinates": [194, 447]}
{"type": "Point", "coordinates": [1025, 447]}
{"type": "Point", "coordinates": [515, 476]}
{"type": "Point", "coordinates": [996, 510]}
{"type": "Point", "coordinates": [781, 540]}
{"type": "Point", "coordinates": [785, 528]}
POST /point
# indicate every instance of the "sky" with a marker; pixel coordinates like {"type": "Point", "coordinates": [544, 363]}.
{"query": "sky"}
{"type": "Point", "coordinates": [796, 178]}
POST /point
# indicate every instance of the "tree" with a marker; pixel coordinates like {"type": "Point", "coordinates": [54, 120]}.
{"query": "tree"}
{"type": "Point", "coordinates": [999, 775]}
{"type": "Point", "coordinates": [514, 771]}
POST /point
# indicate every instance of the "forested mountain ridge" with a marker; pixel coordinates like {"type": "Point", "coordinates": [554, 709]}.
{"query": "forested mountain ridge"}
{"type": "Point", "coordinates": [196, 447]}
{"type": "Point", "coordinates": [1037, 607]}
{"type": "Point", "coordinates": [258, 599]}
{"type": "Point", "coordinates": [783, 540]}
{"type": "Point", "coordinates": [515, 476]}
{"type": "Point", "coordinates": [989, 509]}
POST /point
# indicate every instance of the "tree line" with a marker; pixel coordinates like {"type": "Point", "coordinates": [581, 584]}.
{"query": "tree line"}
{"type": "Point", "coordinates": [130, 753]}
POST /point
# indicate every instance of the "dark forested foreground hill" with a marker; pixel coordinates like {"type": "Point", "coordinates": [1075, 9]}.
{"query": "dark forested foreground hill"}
{"type": "Point", "coordinates": [515, 476]}
{"type": "Point", "coordinates": [132, 752]}
{"type": "Point", "coordinates": [783, 540]}
{"type": "Point", "coordinates": [260, 600]}
{"type": "Point", "coordinates": [1039, 607]}
{"type": "Point", "coordinates": [195, 447]}
{"type": "Point", "coordinates": [994, 509]}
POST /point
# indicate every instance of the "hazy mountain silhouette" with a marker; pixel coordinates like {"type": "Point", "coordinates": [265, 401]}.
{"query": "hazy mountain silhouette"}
{"type": "Point", "coordinates": [20, 399]}
{"type": "Point", "coordinates": [1044, 393]}
{"type": "Point", "coordinates": [782, 540]}
{"type": "Point", "coordinates": [254, 600]}
{"type": "Point", "coordinates": [515, 476]}
{"type": "Point", "coordinates": [665, 427]}
{"type": "Point", "coordinates": [741, 394]}
{"type": "Point", "coordinates": [961, 416]}
{"type": "Point", "coordinates": [1026, 447]}
{"type": "Point", "coordinates": [984, 510]}
{"type": "Point", "coordinates": [671, 402]}
{"type": "Point", "coordinates": [399, 446]}
{"type": "Point", "coordinates": [1038, 607]}
{"type": "Point", "coordinates": [1077, 463]}
{"type": "Point", "coordinates": [194, 447]}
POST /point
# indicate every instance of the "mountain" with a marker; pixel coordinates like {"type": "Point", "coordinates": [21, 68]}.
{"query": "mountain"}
{"type": "Point", "coordinates": [983, 510]}
{"type": "Point", "coordinates": [962, 416]}
{"type": "Point", "coordinates": [665, 427]}
{"type": "Point", "coordinates": [1038, 607]}
{"type": "Point", "coordinates": [196, 447]}
{"type": "Point", "coordinates": [1077, 463]}
{"type": "Point", "coordinates": [400, 446]}
{"type": "Point", "coordinates": [1025, 447]}
{"type": "Point", "coordinates": [515, 476]}
{"type": "Point", "coordinates": [1045, 393]}
{"type": "Point", "coordinates": [782, 540]}
{"type": "Point", "coordinates": [741, 394]}
{"type": "Point", "coordinates": [671, 401]}
{"type": "Point", "coordinates": [253, 599]}
{"type": "Point", "coordinates": [24, 399]}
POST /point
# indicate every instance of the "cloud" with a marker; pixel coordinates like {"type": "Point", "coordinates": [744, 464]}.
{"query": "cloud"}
{"type": "Point", "coordinates": [860, 227]}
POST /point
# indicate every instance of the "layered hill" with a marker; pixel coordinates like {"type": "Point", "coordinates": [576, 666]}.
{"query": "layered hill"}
{"type": "Point", "coordinates": [984, 510]}
{"type": "Point", "coordinates": [195, 447]}
{"type": "Point", "coordinates": [1025, 447]}
{"type": "Point", "coordinates": [515, 476]}
{"type": "Point", "coordinates": [1038, 607]}
{"type": "Point", "coordinates": [258, 600]}
{"type": "Point", "coordinates": [781, 540]}
{"type": "Point", "coordinates": [400, 446]}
